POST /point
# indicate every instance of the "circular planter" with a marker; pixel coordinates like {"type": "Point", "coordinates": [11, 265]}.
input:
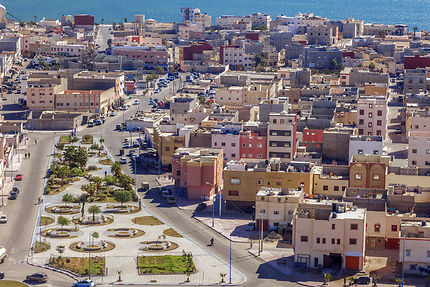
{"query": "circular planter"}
{"type": "Point", "coordinates": [158, 246]}
{"type": "Point", "coordinates": [97, 247]}
{"type": "Point", "coordinates": [124, 232]}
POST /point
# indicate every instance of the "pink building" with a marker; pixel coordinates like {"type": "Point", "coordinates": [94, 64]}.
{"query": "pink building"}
{"type": "Point", "coordinates": [228, 142]}
{"type": "Point", "coordinates": [198, 172]}
{"type": "Point", "coordinates": [372, 116]}
{"type": "Point", "coordinates": [252, 145]}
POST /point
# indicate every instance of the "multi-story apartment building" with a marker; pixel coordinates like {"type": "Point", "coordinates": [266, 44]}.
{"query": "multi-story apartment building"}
{"type": "Point", "coordinates": [252, 145]}
{"type": "Point", "coordinates": [419, 149]}
{"type": "Point", "coordinates": [243, 179]}
{"type": "Point", "coordinates": [151, 56]}
{"type": "Point", "coordinates": [236, 58]}
{"type": "Point", "coordinates": [414, 250]}
{"type": "Point", "coordinates": [330, 181]}
{"type": "Point", "coordinates": [329, 234]}
{"type": "Point", "coordinates": [41, 88]}
{"type": "Point", "coordinates": [281, 136]}
{"type": "Point", "coordinates": [415, 81]}
{"type": "Point", "coordinates": [322, 35]}
{"type": "Point", "coordinates": [260, 20]}
{"type": "Point", "coordinates": [229, 21]}
{"type": "Point", "coordinates": [320, 58]}
{"type": "Point", "coordinates": [62, 48]}
{"type": "Point", "coordinates": [229, 142]}
{"type": "Point", "coordinates": [368, 171]}
{"type": "Point", "coordinates": [94, 101]}
{"type": "Point", "coordinates": [197, 172]}
{"type": "Point", "coordinates": [275, 207]}
{"type": "Point", "coordinates": [187, 14]}
{"type": "Point", "coordinates": [372, 116]}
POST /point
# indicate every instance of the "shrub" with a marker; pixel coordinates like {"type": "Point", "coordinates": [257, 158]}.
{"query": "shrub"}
{"type": "Point", "coordinates": [92, 167]}
{"type": "Point", "coordinates": [48, 189]}
{"type": "Point", "coordinates": [87, 139]}
{"type": "Point", "coordinates": [101, 196]}
{"type": "Point", "coordinates": [76, 172]}
{"type": "Point", "coordinates": [109, 179]}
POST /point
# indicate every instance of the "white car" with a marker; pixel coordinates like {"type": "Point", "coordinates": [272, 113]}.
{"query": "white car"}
{"type": "Point", "coordinates": [113, 114]}
{"type": "Point", "coordinates": [157, 91]}
{"type": "Point", "coordinates": [123, 160]}
{"type": "Point", "coordinates": [3, 219]}
{"type": "Point", "coordinates": [136, 102]}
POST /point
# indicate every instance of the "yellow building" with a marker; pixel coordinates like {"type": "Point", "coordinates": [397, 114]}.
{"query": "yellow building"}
{"type": "Point", "coordinates": [166, 143]}
{"type": "Point", "coordinates": [243, 179]}
{"type": "Point", "coordinates": [330, 181]}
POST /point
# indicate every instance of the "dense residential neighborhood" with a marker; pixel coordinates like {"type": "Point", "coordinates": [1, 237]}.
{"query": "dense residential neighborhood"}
{"type": "Point", "coordinates": [140, 152]}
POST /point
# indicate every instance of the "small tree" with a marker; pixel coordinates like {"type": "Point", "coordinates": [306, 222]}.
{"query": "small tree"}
{"type": "Point", "coordinates": [83, 198]}
{"type": "Point", "coordinates": [122, 196]}
{"type": "Point", "coordinates": [62, 221]}
{"type": "Point", "coordinates": [125, 181]}
{"type": "Point", "coordinates": [62, 173]}
{"type": "Point", "coordinates": [94, 209]}
{"type": "Point", "coordinates": [222, 275]}
{"type": "Point", "coordinates": [68, 199]}
{"type": "Point", "coordinates": [98, 181]}
{"type": "Point", "coordinates": [159, 69]}
{"type": "Point", "coordinates": [60, 249]}
{"type": "Point", "coordinates": [90, 188]}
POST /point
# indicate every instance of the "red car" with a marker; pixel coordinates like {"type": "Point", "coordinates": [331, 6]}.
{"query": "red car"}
{"type": "Point", "coordinates": [18, 177]}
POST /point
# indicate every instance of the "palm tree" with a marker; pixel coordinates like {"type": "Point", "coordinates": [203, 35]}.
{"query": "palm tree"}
{"type": "Point", "coordinates": [68, 198]}
{"type": "Point", "coordinates": [90, 188]}
{"type": "Point", "coordinates": [83, 198]}
{"type": "Point", "coordinates": [62, 221]}
{"type": "Point", "coordinates": [115, 169]}
{"type": "Point", "coordinates": [94, 209]}
{"type": "Point", "coordinates": [98, 181]}
{"type": "Point", "coordinates": [63, 173]}
{"type": "Point", "coordinates": [125, 181]}
{"type": "Point", "coordinates": [222, 275]}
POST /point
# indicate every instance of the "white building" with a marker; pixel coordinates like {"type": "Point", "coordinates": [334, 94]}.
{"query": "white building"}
{"type": "Point", "coordinates": [281, 136]}
{"type": "Point", "coordinates": [419, 149]}
{"type": "Point", "coordinates": [236, 57]}
{"type": "Point", "coordinates": [365, 145]}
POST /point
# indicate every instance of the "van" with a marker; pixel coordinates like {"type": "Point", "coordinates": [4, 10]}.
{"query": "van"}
{"type": "Point", "coordinates": [144, 186]}
{"type": "Point", "coordinates": [2, 254]}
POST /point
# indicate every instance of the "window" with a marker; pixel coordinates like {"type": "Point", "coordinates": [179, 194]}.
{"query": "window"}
{"type": "Point", "coordinates": [233, 155]}
{"type": "Point", "coordinates": [377, 227]}
{"type": "Point", "coordinates": [274, 121]}
{"type": "Point", "coordinates": [428, 254]}
{"type": "Point", "coordinates": [360, 151]}
{"type": "Point", "coordinates": [376, 152]}
{"type": "Point", "coordinates": [370, 115]}
{"type": "Point", "coordinates": [222, 144]}
{"type": "Point", "coordinates": [235, 180]}
{"type": "Point", "coordinates": [233, 193]}
{"type": "Point", "coordinates": [370, 106]}
{"type": "Point", "coordinates": [333, 241]}
{"type": "Point", "coordinates": [414, 162]}
{"type": "Point", "coordinates": [379, 113]}
{"type": "Point", "coordinates": [333, 226]}
{"type": "Point", "coordinates": [318, 240]}
{"type": "Point", "coordinates": [376, 177]}
{"type": "Point", "coordinates": [259, 156]}
{"type": "Point", "coordinates": [361, 122]}
{"type": "Point", "coordinates": [361, 112]}
{"type": "Point", "coordinates": [323, 241]}
{"type": "Point", "coordinates": [414, 150]}
{"type": "Point", "coordinates": [408, 253]}
{"type": "Point", "coordinates": [262, 211]}
{"type": "Point", "coordinates": [338, 241]}
{"type": "Point", "coordinates": [276, 212]}
{"type": "Point", "coordinates": [353, 241]}
{"type": "Point", "coordinates": [259, 145]}
{"type": "Point", "coordinates": [336, 188]}
{"type": "Point", "coordinates": [427, 151]}
{"type": "Point", "coordinates": [360, 131]}
{"type": "Point", "coordinates": [325, 187]}
{"type": "Point", "coordinates": [354, 226]}
{"type": "Point", "coordinates": [369, 124]}
{"type": "Point", "coordinates": [358, 176]}
{"type": "Point", "coordinates": [303, 238]}
{"type": "Point", "coordinates": [233, 144]}
{"type": "Point", "coordinates": [243, 145]}
{"type": "Point", "coordinates": [379, 123]}
{"type": "Point", "coordinates": [260, 181]}
{"type": "Point", "coordinates": [167, 148]}
{"type": "Point", "coordinates": [393, 227]}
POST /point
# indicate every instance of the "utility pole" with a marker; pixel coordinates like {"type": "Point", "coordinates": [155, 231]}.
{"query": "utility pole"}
{"type": "Point", "coordinates": [230, 261]}
{"type": "Point", "coordinates": [403, 261]}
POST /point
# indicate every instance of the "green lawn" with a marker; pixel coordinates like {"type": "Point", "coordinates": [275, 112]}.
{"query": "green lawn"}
{"type": "Point", "coordinates": [167, 264]}
{"type": "Point", "coordinates": [8, 283]}
{"type": "Point", "coordinates": [79, 265]}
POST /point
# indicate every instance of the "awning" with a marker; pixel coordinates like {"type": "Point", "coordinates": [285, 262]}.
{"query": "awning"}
{"type": "Point", "coordinates": [354, 253]}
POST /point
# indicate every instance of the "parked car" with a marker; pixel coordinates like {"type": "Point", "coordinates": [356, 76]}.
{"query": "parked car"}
{"type": "Point", "coordinates": [99, 122]}
{"type": "Point", "coordinates": [113, 114]}
{"type": "Point", "coordinates": [16, 189]}
{"type": "Point", "coordinates": [201, 206]}
{"type": "Point", "coordinates": [123, 160]}
{"type": "Point", "coordinates": [171, 199]}
{"type": "Point", "coordinates": [1, 275]}
{"type": "Point", "coordinates": [362, 280]}
{"type": "Point", "coordinates": [18, 177]}
{"type": "Point", "coordinates": [84, 283]}
{"type": "Point", "coordinates": [118, 127]}
{"type": "Point", "coordinates": [166, 192]}
{"type": "Point", "coordinates": [127, 145]}
{"type": "Point", "coordinates": [136, 102]}
{"type": "Point", "coordinates": [13, 195]}
{"type": "Point", "coordinates": [37, 277]}
{"type": "Point", "coordinates": [157, 91]}
{"type": "Point", "coordinates": [3, 219]}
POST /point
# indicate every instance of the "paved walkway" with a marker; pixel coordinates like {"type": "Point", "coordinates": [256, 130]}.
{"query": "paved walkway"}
{"type": "Point", "coordinates": [123, 256]}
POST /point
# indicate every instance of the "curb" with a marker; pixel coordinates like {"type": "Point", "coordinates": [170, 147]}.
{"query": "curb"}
{"type": "Point", "coordinates": [257, 257]}
{"type": "Point", "coordinates": [67, 273]}
{"type": "Point", "coordinates": [213, 229]}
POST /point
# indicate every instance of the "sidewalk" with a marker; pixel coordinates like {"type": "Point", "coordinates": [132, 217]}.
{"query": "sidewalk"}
{"type": "Point", "coordinates": [12, 169]}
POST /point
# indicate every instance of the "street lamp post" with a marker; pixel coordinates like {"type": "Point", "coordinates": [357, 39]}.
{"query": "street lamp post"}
{"type": "Point", "coordinates": [89, 256]}
{"type": "Point", "coordinates": [230, 260]}
{"type": "Point", "coordinates": [260, 232]}
{"type": "Point", "coordinates": [213, 204]}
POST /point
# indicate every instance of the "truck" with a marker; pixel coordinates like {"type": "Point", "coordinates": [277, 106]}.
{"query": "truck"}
{"type": "Point", "coordinates": [3, 254]}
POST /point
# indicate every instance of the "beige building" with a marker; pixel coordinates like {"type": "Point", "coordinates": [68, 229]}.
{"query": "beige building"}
{"type": "Point", "coordinates": [276, 207]}
{"type": "Point", "coordinates": [419, 149]}
{"type": "Point", "coordinates": [330, 181]}
{"type": "Point", "coordinates": [329, 234]}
